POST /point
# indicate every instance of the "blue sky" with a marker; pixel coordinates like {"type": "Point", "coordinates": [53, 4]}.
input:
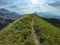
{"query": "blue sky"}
{"type": "Point", "coordinates": [30, 6]}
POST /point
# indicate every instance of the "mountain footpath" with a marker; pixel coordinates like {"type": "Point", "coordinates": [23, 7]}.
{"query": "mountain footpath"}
{"type": "Point", "coordinates": [33, 32]}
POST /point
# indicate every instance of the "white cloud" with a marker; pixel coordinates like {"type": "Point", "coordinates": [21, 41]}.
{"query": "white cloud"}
{"type": "Point", "coordinates": [29, 6]}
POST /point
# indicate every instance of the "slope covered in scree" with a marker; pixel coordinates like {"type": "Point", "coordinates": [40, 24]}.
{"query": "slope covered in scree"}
{"type": "Point", "coordinates": [30, 30]}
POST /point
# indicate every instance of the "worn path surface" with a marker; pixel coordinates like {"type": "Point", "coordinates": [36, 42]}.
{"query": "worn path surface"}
{"type": "Point", "coordinates": [33, 32]}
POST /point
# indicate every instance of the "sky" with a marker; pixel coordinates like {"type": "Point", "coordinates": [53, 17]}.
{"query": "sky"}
{"type": "Point", "coordinates": [31, 6]}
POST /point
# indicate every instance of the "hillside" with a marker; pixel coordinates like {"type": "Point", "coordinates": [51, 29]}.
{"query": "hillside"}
{"type": "Point", "coordinates": [6, 17]}
{"type": "Point", "coordinates": [53, 21]}
{"type": "Point", "coordinates": [30, 30]}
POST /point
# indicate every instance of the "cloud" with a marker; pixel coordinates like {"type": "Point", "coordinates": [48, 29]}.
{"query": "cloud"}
{"type": "Point", "coordinates": [55, 3]}
{"type": "Point", "coordinates": [6, 2]}
{"type": "Point", "coordinates": [29, 6]}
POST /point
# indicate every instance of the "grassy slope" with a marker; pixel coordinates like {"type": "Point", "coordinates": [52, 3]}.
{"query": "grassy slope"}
{"type": "Point", "coordinates": [20, 32]}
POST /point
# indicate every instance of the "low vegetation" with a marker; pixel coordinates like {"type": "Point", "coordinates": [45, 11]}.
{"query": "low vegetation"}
{"type": "Point", "coordinates": [20, 32]}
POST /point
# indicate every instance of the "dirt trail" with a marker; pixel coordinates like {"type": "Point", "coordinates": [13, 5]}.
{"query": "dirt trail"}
{"type": "Point", "coordinates": [33, 32]}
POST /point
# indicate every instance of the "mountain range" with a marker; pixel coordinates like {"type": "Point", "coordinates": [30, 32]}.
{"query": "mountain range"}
{"type": "Point", "coordinates": [8, 14]}
{"type": "Point", "coordinates": [48, 15]}
{"type": "Point", "coordinates": [7, 17]}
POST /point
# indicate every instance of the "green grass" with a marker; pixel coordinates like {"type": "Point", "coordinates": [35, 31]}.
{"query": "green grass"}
{"type": "Point", "coordinates": [47, 33]}
{"type": "Point", "coordinates": [20, 32]}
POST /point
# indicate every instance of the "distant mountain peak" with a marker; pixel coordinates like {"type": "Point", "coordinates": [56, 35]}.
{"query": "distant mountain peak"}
{"type": "Point", "coordinates": [2, 9]}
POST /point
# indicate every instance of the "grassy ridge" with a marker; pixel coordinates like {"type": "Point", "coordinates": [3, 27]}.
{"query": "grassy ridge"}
{"type": "Point", "coordinates": [20, 32]}
{"type": "Point", "coordinates": [47, 33]}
